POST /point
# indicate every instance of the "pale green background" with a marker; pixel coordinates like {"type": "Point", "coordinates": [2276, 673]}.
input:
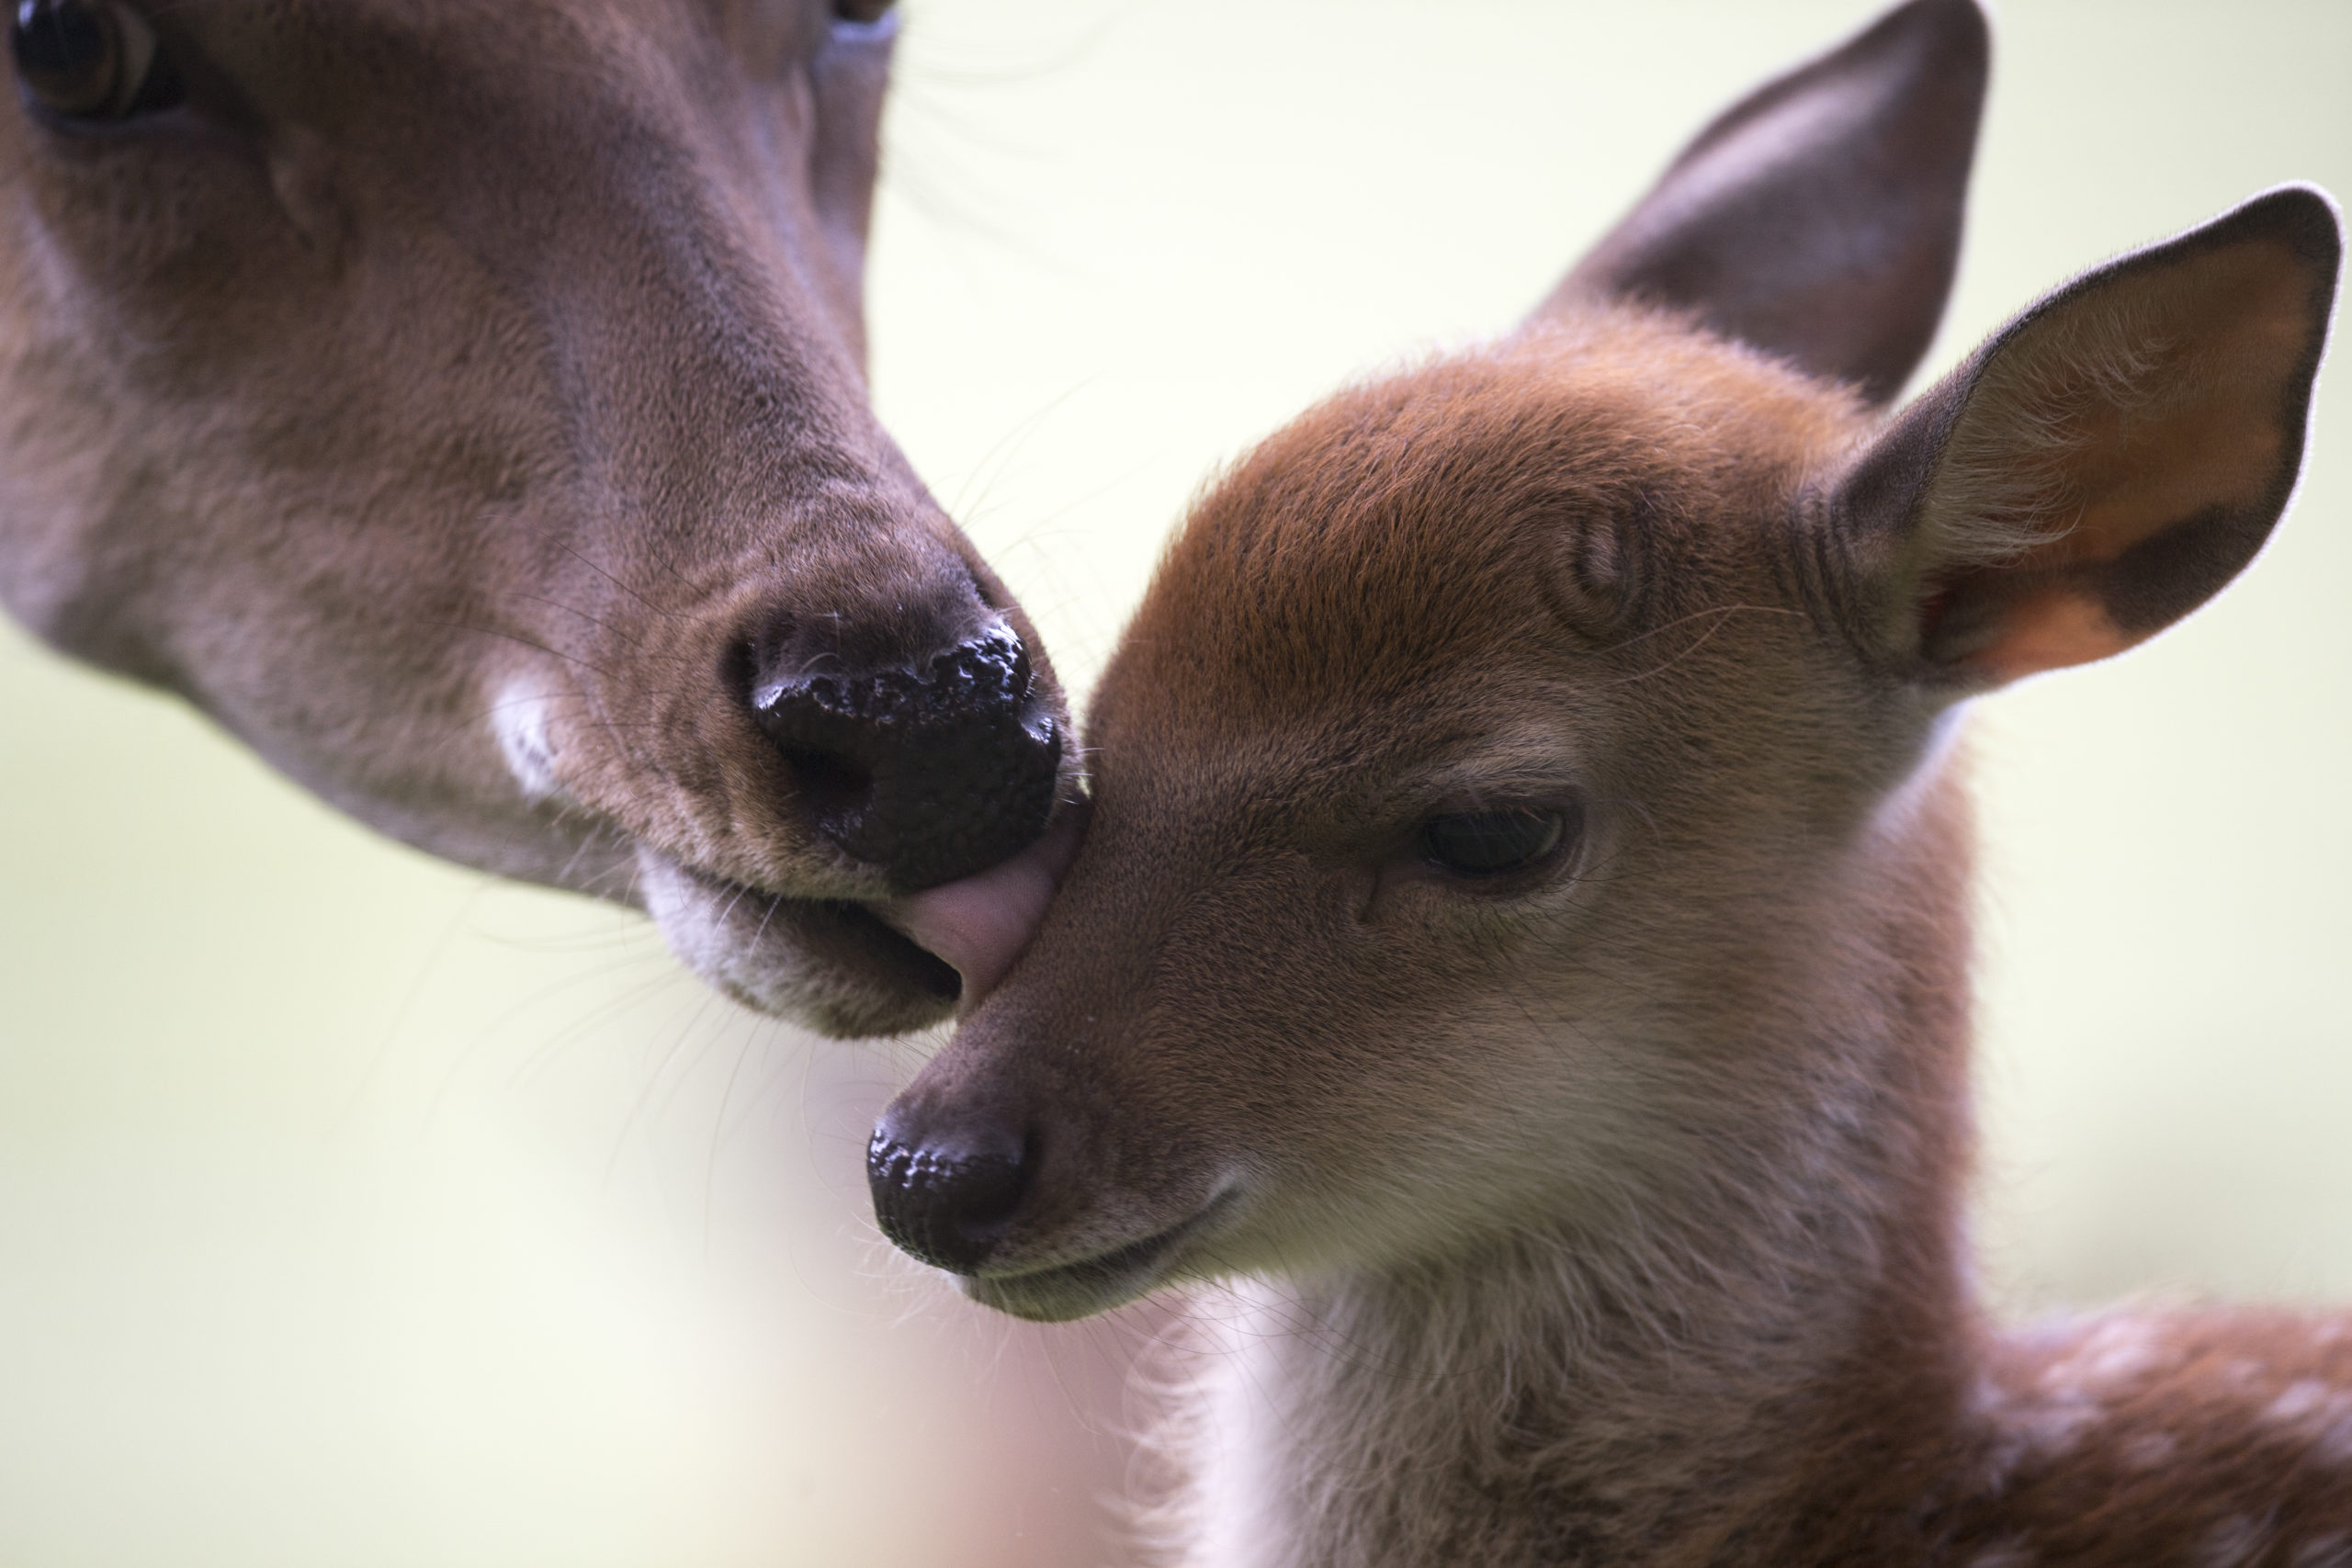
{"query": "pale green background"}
{"type": "Point", "coordinates": [354, 1210]}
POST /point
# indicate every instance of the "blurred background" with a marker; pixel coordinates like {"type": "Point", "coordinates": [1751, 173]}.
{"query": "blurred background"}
{"type": "Point", "coordinates": [357, 1210]}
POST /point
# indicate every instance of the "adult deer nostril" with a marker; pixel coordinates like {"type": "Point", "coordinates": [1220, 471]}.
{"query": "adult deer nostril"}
{"type": "Point", "coordinates": [833, 787]}
{"type": "Point", "coordinates": [931, 769]}
{"type": "Point", "coordinates": [947, 1203]}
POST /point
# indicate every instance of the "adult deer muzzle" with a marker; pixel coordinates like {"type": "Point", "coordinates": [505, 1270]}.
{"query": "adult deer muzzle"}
{"type": "Point", "coordinates": [464, 404]}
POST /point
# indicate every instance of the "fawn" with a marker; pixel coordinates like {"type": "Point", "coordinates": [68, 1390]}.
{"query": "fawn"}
{"type": "Point", "coordinates": [463, 401]}
{"type": "Point", "coordinates": [1523, 928]}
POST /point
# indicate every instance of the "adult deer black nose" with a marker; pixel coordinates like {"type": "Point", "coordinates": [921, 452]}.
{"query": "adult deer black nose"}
{"type": "Point", "coordinates": [949, 1197]}
{"type": "Point", "coordinates": [933, 768]}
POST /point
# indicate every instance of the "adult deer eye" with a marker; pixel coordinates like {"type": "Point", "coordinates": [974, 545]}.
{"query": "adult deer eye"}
{"type": "Point", "coordinates": [90, 60]}
{"type": "Point", "coordinates": [1495, 843]}
{"type": "Point", "coordinates": [862, 12]}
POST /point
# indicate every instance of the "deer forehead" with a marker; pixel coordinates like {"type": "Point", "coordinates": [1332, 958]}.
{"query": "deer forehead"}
{"type": "Point", "coordinates": [1483, 529]}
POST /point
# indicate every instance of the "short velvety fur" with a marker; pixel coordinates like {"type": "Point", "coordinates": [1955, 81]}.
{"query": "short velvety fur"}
{"type": "Point", "coordinates": [1604, 1208]}
{"type": "Point", "coordinates": [447, 395]}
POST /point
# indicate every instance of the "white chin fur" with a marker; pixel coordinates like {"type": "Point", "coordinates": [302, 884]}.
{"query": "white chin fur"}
{"type": "Point", "coordinates": [728, 941]}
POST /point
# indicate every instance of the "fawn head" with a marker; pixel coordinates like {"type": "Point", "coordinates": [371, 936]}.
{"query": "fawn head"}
{"type": "Point", "coordinates": [465, 404]}
{"type": "Point", "coordinates": [1514, 800]}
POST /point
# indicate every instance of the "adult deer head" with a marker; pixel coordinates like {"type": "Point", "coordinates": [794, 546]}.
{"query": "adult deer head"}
{"type": "Point", "coordinates": [464, 403]}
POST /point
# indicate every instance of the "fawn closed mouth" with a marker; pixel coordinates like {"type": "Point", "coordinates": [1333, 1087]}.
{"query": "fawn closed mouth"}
{"type": "Point", "coordinates": [1089, 1285]}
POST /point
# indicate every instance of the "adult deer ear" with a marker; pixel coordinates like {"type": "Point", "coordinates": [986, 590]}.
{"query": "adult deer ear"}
{"type": "Point", "coordinates": [2102, 465]}
{"type": "Point", "coordinates": [1818, 218]}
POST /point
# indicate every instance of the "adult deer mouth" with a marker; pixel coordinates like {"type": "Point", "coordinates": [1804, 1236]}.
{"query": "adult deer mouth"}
{"type": "Point", "coordinates": [832, 962]}
{"type": "Point", "coordinates": [859, 968]}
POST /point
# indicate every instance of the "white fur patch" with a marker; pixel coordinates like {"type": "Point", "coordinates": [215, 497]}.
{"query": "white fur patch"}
{"type": "Point", "coordinates": [727, 934]}
{"type": "Point", "coordinates": [2319, 1413]}
{"type": "Point", "coordinates": [518, 721]}
{"type": "Point", "coordinates": [2117, 1348]}
{"type": "Point", "coordinates": [2070, 1394]}
{"type": "Point", "coordinates": [2049, 1428]}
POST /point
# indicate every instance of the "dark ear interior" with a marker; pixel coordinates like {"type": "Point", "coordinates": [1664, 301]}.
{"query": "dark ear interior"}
{"type": "Point", "coordinates": [2108, 461]}
{"type": "Point", "coordinates": [1818, 218]}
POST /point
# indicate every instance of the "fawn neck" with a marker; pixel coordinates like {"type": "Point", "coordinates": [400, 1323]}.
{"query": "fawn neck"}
{"type": "Point", "coordinates": [1779, 1353]}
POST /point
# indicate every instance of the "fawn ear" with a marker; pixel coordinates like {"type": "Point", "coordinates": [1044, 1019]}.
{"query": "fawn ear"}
{"type": "Point", "coordinates": [2101, 465]}
{"type": "Point", "coordinates": [1819, 217]}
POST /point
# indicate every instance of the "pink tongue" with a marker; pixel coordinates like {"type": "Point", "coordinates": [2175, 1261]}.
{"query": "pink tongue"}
{"type": "Point", "coordinates": [979, 925]}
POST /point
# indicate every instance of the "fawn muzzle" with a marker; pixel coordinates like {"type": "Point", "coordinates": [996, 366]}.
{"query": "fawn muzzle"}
{"type": "Point", "coordinates": [947, 1196]}
{"type": "Point", "coordinates": [970, 1190]}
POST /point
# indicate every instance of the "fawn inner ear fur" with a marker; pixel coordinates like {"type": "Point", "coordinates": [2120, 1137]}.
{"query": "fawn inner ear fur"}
{"type": "Point", "coordinates": [1818, 218]}
{"type": "Point", "coordinates": [2106, 462]}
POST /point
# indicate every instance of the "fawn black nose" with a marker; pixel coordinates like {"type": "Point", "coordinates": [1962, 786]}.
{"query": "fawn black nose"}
{"type": "Point", "coordinates": [931, 768]}
{"type": "Point", "coordinates": [946, 1197]}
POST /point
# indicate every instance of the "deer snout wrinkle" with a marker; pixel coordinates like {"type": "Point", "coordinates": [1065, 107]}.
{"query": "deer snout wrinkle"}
{"type": "Point", "coordinates": [932, 769]}
{"type": "Point", "coordinates": [949, 1197]}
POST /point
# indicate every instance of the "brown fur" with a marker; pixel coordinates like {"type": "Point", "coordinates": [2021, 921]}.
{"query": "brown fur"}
{"type": "Point", "coordinates": [446, 398]}
{"type": "Point", "coordinates": [1779, 1363]}
{"type": "Point", "coordinates": [1608, 1211]}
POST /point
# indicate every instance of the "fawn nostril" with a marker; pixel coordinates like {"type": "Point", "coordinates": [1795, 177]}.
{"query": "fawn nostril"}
{"type": "Point", "coordinates": [947, 1200]}
{"type": "Point", "coordinates": [932, 769]}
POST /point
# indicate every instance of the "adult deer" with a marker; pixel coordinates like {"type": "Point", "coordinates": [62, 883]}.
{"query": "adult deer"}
{"type": "Point", "coordinates": [1524, 913]}
{"type": "Point", "coordinates": [464, 404]}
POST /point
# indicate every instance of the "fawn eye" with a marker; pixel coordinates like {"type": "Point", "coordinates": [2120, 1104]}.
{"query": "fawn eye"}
{"type": "Point", "coordinates": [91, 60]}
{"type": "Point", "coordinates": [1496, 843]}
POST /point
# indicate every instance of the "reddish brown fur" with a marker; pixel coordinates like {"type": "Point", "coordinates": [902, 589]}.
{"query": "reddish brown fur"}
{"type": "Point", "coordinates": [1414, 551]}
{"type": "Point", "coordinates": [1419, 546]}
{"type": "Point", "coordinates": [1615, 1199]}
